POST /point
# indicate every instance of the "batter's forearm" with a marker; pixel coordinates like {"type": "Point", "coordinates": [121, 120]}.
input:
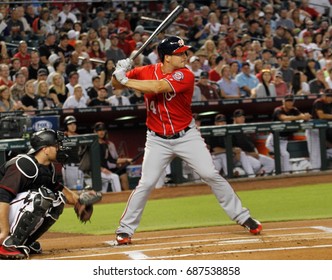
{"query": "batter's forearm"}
{"type": "Point", "coordinates": [149, 86]}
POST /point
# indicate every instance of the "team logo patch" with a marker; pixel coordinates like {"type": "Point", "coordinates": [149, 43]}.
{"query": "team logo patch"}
{"type": "Point", "coordinates": [178, 76]}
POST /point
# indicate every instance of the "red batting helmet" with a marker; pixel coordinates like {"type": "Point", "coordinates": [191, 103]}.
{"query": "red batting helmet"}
{"type": "Point", "coordinates": [171, 45]}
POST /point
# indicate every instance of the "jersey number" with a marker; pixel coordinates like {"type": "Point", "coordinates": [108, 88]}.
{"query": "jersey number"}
{"type": "Point", "coordinates": [152, 107]}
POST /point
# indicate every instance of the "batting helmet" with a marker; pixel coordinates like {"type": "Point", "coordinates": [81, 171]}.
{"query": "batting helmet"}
{"type": "Point", "coordinates": [171, 45]}
{"type": "Point", "coordinates": [69, 120]}
{"type": "Point", "coordinates": [42, 138]}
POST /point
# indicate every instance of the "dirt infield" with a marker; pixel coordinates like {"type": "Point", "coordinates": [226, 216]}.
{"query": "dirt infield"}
{"type": "Point", "coordinates": [298, 240]}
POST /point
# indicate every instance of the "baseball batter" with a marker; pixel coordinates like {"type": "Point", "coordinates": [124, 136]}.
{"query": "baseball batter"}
{"type": "Point", "coordinates": [321, 110]}
{"type": "Point", "coordinates": [171, 132]}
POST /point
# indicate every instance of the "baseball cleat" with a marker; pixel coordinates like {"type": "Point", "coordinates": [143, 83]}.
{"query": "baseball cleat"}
{"type": "Point", "coordinates": [253, 226]}
{"type": "Point", "coordinates": [123, 239]}
{"type": "Point", "coordinates": [11, 253]}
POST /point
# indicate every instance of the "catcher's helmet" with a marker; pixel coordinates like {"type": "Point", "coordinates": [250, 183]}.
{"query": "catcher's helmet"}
{"type": "Point", "coordinates": [43, 138]}
{"type": "Point", "coordinates": [171, 45]}
{"type": "Point", "coordinates": [69, 120]}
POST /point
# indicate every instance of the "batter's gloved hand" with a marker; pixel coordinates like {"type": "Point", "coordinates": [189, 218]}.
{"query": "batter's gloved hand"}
{"type": "Point", "coordinates": [84, 206]}
{"type": "Point", "coordinates": [120, 75]}
{"type": "Point", "coordinates": [125, 64]}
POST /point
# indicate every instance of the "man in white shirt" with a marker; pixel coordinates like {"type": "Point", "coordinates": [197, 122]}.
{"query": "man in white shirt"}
{"type": "Point", "coordinates": [66, 13]}
{"type": "Point", "coordinates": [77, 100]}
{"type": "Point", "coordinates": [117, 99]}
{"type": "Point", "coordinates": [86, 73]}
{"type": "Point", "coordinates": [73, 81]}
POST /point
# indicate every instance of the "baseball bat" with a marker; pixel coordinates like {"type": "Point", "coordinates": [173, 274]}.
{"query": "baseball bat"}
{"type": "Point", "coordinates": [165, 23]}
{"type": "Point", "coordinates": [96, 60]}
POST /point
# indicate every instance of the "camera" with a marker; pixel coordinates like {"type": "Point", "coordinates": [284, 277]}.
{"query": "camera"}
{"type": "Point", "coordinates": [14, 126]}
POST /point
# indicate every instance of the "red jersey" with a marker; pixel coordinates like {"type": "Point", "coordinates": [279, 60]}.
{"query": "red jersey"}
{"type": "Point", "coordinates": [24, 59]}
{"type": "Point", "coordinates": [169, 112]}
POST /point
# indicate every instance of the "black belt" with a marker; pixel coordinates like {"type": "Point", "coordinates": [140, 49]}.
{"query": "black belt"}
{"type": "Point", "coordinates": [173, 136]}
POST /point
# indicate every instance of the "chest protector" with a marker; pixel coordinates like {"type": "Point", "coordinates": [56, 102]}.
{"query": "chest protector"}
{"type": "Point", "coordinates": [40, 175]}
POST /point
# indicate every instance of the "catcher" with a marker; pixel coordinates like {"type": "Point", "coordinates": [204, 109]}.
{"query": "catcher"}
{"type": "Point", "coordinates": [31, 198]}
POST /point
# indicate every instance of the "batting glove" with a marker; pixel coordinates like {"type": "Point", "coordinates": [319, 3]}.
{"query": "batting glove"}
{"type": "Point", "coordinates": [120, 75]}
{"type": "Point", "coordinates": [126, 64]}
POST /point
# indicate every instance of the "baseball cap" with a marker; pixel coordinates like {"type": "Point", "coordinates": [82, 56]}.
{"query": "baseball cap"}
{"type": "Point", "coordinates": [99, 126]}
{"type": "Point", "coordinates": [193, 58]}
{"type": "Point", "coordinates": [220, 118]}
{"type": "Point", "coordinates": [204, 74]}
{"type": "Point", "coordinates": [42, 72]}
{"type": "Point", "coordinates": [238, 113]}
{"type": "Point", "coordinates": [289, 97]}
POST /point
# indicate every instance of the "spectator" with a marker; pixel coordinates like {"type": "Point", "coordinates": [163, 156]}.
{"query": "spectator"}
{"type": "Point", "coordinates": [287, 72]}
{"type": "Point", "coordinates": [280, 85]}
{"type": "Point", "coordinates": [41, 76]}
{"type": "Point", "coordinates": [95, 52]}
{"type": "Point", "coordinates": [207, 90]}
{"type": "Point", "coordinates": [73, 64]}
{"type": "Point", "coordinates": [261, 164]}
{"type": "Point", "coordinates": [4, 75]}
{"type": "Point", "coordinates": [284, 113]}
{"type": "Point", "coordinates": [101, 99]}
{"type": "Point", "coordinates": [137, 97]}
{"type": "Point", "coordinates": [42, 93]}
{"type": "Point", "coordinates": [310, 70]}
{"type": "Point", "coordinates": [43, 24]}
{"type": "Point", "coordinates": [58, 91]}
{"type": "Point", "coordinates": [117, 99]}
{"type": "Point", "coordinates": [319, 84]}
{"type": "Point", "coordinates": [103, 40]}
{"type": "Point", "coordinates": [73, 81]}
{"type": "Point", "coordinates": [47, 48]}
{"type": "Point", "coordinates": [29, 99]}
{"type": "Point", "coordinates": [114, 52]}
{"type": "Point", "coordinates": [215, 72]}
{"type": "Point", "coordinates": [284, 20]}
{"type": "Point", "coordinates": [280, 39]}
{"type": "Point", "coordinates": [23, 54]}
{"type": "Point", "coordinates": [195, 66]}
{"type": "Point", "coordinates": [246, 81]}
{"type": "Point", "coordinates": [17, 90]}
{"type": "Point", "coordinates": [106, 73]}
{"type": "Point", "coordinates": [81, 49]}
{"type": "Point", "coordinates": [124, 43]}
{"type": "Point", "coordinates": [107, 155]}
{"type": "Point", "coordinates": [15, 28]}
{"type": "Point", "coordinates": [63, 49]}
{"type": "Point", "coordinates": [229, 89]}
{"type": "Point", "coordinates": [99, 19]}
{"type": "Point", "coordinates": [217, 147]}
{"type": "Point", "coordinates": [7, 104]}
{"type": "Point", "coordinates": [86, 73]}
{"type": "Point", "coordinates": [77, 100]}
{"type": "Point", "coordinates": [298, 62]}
{"type": "Point", "coordinates": [265, 88]}
{"type": "Point", "coordinates": [96, 84]}
{"type": "Point", "coordinates": [121, 21]}
{"type": "Point", "coordinates": [197, 33]}
{"type": "Point", "coordinates": [35, 65]}
{"type": "Point", "coordinates": [66, 14]}
{"type": "Point", "coordinates": [213, 26]}
{"type": "Point", "coordinates": [15, 66]}
{"type": "Point", "coordinates": [59, 68]}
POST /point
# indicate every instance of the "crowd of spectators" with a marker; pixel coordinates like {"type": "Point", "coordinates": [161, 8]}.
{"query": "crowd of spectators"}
{"type": "Point", "coordinates": [240, 49]}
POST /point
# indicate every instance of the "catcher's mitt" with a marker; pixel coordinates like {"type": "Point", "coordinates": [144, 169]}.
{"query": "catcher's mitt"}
{"type": "Point", "coordinates": [84, 207]}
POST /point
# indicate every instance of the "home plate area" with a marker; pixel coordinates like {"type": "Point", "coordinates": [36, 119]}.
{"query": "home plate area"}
{"type": "Point", "coordinates": [295, 240]}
